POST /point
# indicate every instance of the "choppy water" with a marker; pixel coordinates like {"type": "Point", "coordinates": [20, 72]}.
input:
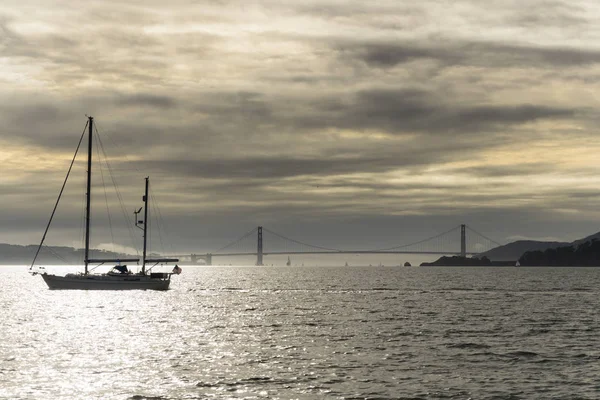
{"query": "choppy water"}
{"type": "Point", "coordinates": [308, 333]}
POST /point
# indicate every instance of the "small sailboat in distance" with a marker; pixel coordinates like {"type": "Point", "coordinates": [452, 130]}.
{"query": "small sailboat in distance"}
{"type": "Point", "coordinates": [119, 278]}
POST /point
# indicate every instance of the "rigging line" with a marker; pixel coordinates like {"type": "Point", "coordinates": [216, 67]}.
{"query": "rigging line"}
{"type": "Point", "coordinates": [159, 229]}
{"type": "Point", "coordinates": [237, 241]}
{"type": "Point", "coordinates": [57, 255]}
{"type": "Point", "coordinates": [298, 242]}
{"type": "Point", "coordinates": [59, 196]}
{"type": "Point", "coordinates": [160, 225]}
{"type": "Point", "coordinates": [112, 236]}
{"type": "Point", "coordinates": [166, 227]}
{"type": "Point", "coordinates": [157, 223]}
{"type": "Point", "coordinates": [483, 236]}
{"type": "Point", "coordinates": [419, 242]}
{"type": "Point", "coordinates": [105, 133]}
{"type": "Point", "coordinates": [119, 196]}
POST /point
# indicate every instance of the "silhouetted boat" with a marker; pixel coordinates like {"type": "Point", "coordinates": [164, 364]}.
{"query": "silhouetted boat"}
{"type": "Point", "coordinates": [119, 278]}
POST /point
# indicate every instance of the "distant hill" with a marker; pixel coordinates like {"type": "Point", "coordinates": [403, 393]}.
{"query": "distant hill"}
{"type": "Point", "coordinates": [458, 261]}
{"type": "Point", "coordinates": [585, 254]}
{"type": "Point", "coordinates": [595, 236]}
{"type": "Point", "coordinates": [581, 252]}
{"type": "Point", "coordinates": [513, 251]}
{"type": "Point", "coordinates": [50, 255]}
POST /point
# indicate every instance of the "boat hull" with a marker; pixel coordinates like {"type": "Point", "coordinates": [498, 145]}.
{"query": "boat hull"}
{"type": "Point", "coordinates": [105, 282]}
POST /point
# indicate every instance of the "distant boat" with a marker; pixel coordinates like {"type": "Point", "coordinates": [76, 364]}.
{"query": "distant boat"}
{"type": "Point", "coordinates": [289, 262]}
{"type": "Point", "coordinates": [517, 264]}
{"type": "Point", "coordinates": [119, 278]}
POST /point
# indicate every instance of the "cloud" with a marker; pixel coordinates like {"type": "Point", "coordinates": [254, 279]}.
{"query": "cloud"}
{"type": "Point", "coordinates": [404, 111]}
{"type": "Point", "coordinates": [455, 53]}
{"type": "Point", "coordinates": [147, 99]}
{"type": "Point", "coordinates": [309, 111]}
{"type": "Point", "coordinates": [516, 168]}
{"type": "Point", "coordinates": [557, 14]}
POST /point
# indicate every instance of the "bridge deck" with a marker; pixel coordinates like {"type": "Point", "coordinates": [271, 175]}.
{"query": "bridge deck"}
{"type": "Point", "coordinates": [326, 252]}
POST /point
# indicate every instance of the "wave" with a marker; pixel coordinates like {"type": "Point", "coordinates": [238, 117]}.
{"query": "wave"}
{"type": "Point", "coordinates": [468, 346]}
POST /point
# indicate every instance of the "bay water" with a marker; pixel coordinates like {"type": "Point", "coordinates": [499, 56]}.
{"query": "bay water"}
{"type": "Point", "coordinates": [307, 333]}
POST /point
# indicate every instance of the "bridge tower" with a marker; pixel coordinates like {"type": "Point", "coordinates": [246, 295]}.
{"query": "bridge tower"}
{"type": "Point", "coordinates": [259, 247]}
{"type": "Point", "coordinates": [207, 258]}
{"type": "Point", "coordinates": [463, 240]}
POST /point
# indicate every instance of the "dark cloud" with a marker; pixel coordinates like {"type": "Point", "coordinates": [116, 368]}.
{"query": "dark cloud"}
{"type": "Point", "coordinates": [455, 53]}
{"type": "Point", "coordinates": [379, 54]}
{"type": "Point", "coordinates": [246, 134]}
{"type": "Point", "coordinates": [515, 169]}
{"type": "Point", "coordinates": [273, 167]}
{"type": "Point", "coordinates": [502, 55]}
{"type": "Point", "coordinates": [341, 160]}
{"type": "Point", "coordinates": [407, 110]}
{"type": "Point", "coordinates": [508, 115]}
{"type": "Point", "coordinates": [147, 99]}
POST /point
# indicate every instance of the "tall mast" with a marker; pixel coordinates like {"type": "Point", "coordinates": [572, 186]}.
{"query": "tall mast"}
{"type": "Point", "coordinates": [145, 225]}
{"type": "Point", "coordinates": [88, 195]}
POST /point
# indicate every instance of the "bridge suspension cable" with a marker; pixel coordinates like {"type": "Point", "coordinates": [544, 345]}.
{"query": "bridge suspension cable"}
{"type": "Point", "coordinates": [483, 236]}
{"type": "Point", "coordinates": [419, 242]}
{"type": "Point", "coordinates": [299, 242]}
{"type": "Point", "coordinates": [236, 241]}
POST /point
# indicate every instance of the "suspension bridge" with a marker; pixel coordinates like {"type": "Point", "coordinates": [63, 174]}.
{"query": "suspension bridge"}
{"type": "Point", "coordinates": [260, 242]}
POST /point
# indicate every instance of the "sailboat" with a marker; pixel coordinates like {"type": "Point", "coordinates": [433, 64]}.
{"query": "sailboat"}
{"type": "Point", "coordinates": [119, 278]}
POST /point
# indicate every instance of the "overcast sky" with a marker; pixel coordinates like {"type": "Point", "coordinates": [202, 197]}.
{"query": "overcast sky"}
{"type": "Point", "coordinates": [341, 123]}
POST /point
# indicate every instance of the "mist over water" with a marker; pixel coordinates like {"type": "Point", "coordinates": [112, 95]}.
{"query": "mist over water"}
{"type": "Point", "coordinates": [308, 333]}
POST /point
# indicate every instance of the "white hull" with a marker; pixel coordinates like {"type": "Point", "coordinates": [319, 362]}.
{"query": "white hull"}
{"type": "Point", "coordinates": [108, 282]}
